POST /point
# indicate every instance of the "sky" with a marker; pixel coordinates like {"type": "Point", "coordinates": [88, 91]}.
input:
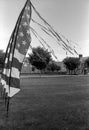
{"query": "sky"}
{"type": "Point", "coordinates": [69, 17]}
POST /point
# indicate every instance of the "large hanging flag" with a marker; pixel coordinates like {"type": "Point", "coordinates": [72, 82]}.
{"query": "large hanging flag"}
{"type": "Point", "coordinates": [15, 53]}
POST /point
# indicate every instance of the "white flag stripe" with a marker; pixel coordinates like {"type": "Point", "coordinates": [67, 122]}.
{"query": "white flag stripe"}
{"type": "Point", "coordinates": [5, 85]}
{"type": "Point", "coordinates": [13, 91]}
{"type": "Point", "coordinates": [6, 72]}
{"type": "Point", "coordinates": [10, 59]}
{"type": "Point", "coordinates": [7, 88]}
{"type": "Point", "coordinates": [3, 82]}
{"type": "Point", "coordinates": [6, 60]}
{"type": "Point", "coordinates": [18, 56]}
{"type": "Point", "coordinates": [14, 72]}
{"type": "Point", "coordinates": [8, 49]}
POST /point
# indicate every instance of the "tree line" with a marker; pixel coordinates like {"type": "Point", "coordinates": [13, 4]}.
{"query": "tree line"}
{"type": "Point", "coordinates": [42, 60]}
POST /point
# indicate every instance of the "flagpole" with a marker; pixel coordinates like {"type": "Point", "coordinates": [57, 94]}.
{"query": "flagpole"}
{"type": "Point", "coordinates": [8, 102]}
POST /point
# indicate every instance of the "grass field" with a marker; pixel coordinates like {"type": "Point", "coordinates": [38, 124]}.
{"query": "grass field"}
{"type": "Point", "coordinates": [48, 103]}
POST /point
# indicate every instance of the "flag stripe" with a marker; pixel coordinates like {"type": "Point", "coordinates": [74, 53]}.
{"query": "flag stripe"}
{"type": "Point", "coordinates": [14, 81]}
{"type": "Point", "coordinates": [12, 91]}
{"type": "Point", "coordinates": [16, 64]}
{"type": "Point", "coordinates": [15, 72]}
{"type": "Point", "coordinates": [18, 56]}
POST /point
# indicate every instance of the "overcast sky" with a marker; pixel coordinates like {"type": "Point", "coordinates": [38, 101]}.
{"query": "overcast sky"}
{"type": "Point", "coordinates": [69, 17]}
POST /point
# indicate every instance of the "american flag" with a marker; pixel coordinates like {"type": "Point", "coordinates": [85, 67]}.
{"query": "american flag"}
{"type": "Point", "coordinates": [17, 48]}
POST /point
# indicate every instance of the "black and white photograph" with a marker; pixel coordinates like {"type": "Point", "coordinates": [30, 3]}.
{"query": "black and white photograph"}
{"type": "Point", "coordinates": [44, 64]}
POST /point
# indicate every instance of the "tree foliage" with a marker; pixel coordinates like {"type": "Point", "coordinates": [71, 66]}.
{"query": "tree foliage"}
{"type": "Point", "coordinates": [2, 55]}
{"type": "Point", "coordinates": [40, 58]}
{"type": "Point", "coordinates": [87, 62]}
{"type": "Point", "coordinates": [53, 67]}
{"type": "Point", "coordinates": [71, 63]}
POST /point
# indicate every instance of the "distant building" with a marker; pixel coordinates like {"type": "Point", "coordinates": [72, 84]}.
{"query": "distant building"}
{"type": "Point", "coordinates": [82, 68]}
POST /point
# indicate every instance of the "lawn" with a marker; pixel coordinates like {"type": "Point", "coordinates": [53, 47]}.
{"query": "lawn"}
{"type": "Point", "coordinates": [48, 103]}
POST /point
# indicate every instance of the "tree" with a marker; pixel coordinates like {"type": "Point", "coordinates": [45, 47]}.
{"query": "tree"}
{"type": "Point", "coordinates": [58, 68]}
{"type": "Point", "coordinates": [71, 64]}
{"type": "Point", "coordinates": [53, 67]}
{"type": "Point", "coordinates": [86, 66]}
{"type": "Point", "coordinates": [87, 62]}
{"type": "Point", "coordinates": [2, 55]}
{"type": "Point", "coordinates": [33, 68]}
{"type": "Point", "coordinates": [40, 58]}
